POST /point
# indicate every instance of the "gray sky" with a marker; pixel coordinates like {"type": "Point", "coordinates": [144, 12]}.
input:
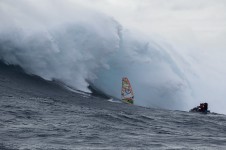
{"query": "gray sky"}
{"type": "Point", "coordinates": [205, 17]}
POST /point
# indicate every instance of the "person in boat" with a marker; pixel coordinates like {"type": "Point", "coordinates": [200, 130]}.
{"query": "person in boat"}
{"type": "Point", "coordinates": [203, 107]}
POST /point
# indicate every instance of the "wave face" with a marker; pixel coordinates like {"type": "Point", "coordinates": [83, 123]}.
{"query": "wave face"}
{"type": "Point", "coordinates": [79, 46]}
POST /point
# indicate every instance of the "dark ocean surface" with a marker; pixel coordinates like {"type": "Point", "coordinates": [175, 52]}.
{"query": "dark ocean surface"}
{"type": "Point", "coordinates": [41, 115]}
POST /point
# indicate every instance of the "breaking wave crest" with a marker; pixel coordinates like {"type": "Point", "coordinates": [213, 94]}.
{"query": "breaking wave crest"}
{"type": "Point", "coordinates": [79, 46]}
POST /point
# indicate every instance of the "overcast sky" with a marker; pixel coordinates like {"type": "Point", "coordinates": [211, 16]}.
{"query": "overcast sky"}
{"type": "Point", "coordinates": [208, 17]}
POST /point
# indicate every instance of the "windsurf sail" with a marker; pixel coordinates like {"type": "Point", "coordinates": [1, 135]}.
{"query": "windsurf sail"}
{"type": "Point", "coordinates": [127, 91]}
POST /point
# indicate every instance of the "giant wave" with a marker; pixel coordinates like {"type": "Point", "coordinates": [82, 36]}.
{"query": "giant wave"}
{"type": "Point", "coordinates": [79, 46]}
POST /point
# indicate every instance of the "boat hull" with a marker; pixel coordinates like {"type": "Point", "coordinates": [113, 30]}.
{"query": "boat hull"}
{"type": "Point", "coordinates": [202, 112]}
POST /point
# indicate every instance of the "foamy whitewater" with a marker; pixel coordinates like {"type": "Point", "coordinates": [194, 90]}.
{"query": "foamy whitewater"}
{"type": "Point", "coordinates": [79, 46]}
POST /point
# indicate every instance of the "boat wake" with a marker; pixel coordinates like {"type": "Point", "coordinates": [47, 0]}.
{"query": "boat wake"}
{"type": "Point", "coordinates": [114, 100]}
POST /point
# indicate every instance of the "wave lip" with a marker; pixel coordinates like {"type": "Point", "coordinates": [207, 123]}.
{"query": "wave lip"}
{"type": "Point", "coordinates": [93, 47]}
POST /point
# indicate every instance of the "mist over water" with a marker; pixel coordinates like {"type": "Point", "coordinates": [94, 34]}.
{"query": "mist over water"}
{"type": "Point", "coordinates": [62, 43]}
{"type": "Point", "coordinates": [77, 45]}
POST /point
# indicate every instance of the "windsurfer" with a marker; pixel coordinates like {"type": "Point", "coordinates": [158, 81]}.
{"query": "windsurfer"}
{"type": "Point", "coordinates": [127, 94]}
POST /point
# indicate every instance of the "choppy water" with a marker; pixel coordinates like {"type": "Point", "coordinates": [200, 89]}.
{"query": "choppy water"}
{"type": "Point", "coordinates": [40, 115]}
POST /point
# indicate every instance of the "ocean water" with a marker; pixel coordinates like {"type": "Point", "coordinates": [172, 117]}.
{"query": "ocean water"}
{"type": "Point", "coordinates": [42, 115]}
